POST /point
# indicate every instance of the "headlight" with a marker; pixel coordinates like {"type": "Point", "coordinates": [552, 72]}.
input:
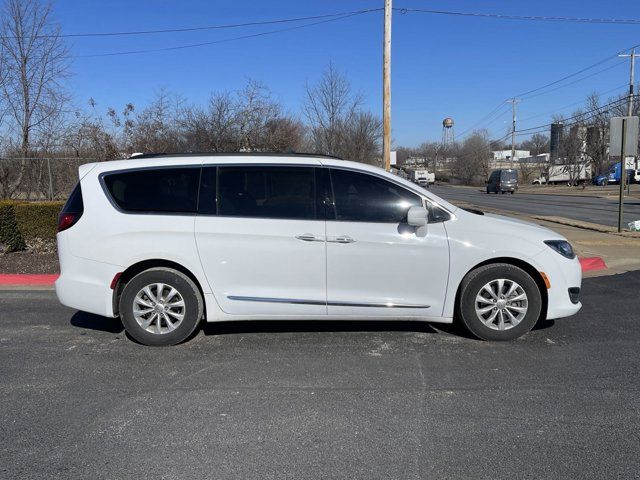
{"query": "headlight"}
{"type": "Point", "coordinates": [563, 247]}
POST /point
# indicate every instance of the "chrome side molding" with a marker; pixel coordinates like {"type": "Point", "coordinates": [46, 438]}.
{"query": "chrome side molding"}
{"type": "Point", "coordinates": [296, 301]}
{"type": "Point", "coordinates": [330, 303]}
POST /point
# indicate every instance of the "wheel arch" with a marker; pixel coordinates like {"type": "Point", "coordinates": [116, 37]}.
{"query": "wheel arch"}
{"type": "Point", "coordinates": [516, 262]}
{"type": "Point", "coordinates": [143, 265]}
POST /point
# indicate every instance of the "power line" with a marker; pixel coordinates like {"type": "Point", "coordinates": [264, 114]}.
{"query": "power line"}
{"type": "Point", "coordinates": [537, 18]}
{"type": "Point", "coordinates": [226, 40]}
{"type": "Point", "coordinates": [579, 118]}
{"type": "Point", "coordinates": [571, 104]}
{"type": "Point", "coordinates": [575, 81]}
{"type": "Point", "coordinates": [196, 29]}
{"type": "Point", "coordinates": [493, 112]}
{"type": "Point", "coordinates": [578, 115]}
{"type": "Point", "coordinates": [566, 77]}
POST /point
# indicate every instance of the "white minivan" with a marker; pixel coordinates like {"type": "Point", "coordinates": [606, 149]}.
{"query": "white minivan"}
{"type": "Point", "coordinates": [164, 241]}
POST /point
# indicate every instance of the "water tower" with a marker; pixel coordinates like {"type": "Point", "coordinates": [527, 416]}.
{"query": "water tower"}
{"type": "Point", "coordinates": [448, 136]}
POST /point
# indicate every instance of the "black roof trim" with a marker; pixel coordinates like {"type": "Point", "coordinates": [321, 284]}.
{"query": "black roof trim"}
{"type": "Point", "coordinates": [234, 154]}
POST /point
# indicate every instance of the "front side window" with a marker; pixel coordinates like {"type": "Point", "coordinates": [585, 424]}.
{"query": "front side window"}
{"type": "Point", "coordinates": [359, 197]}
{"type": "Point", "coordinates": [155, 190]}
{"type": "Point", "coordinates": [267, 192]}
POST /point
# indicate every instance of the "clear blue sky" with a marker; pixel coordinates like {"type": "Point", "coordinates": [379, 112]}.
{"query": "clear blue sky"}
{"type": "Point", "coordinates": [442, 65]}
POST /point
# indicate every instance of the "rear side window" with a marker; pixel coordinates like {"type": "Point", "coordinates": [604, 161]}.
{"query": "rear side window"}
{"type": "Point", "coordinates": [155, 190]}
{"type": "Point", "coordinates": [359, 197]}
{"type": "Point", "coordinates": [74, 203]}
{"type": "Point", "coordinates": [266, 192]}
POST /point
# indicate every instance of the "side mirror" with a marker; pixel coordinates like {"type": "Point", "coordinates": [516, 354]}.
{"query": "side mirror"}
{"type": "Point", "coordinates": [417, 216]}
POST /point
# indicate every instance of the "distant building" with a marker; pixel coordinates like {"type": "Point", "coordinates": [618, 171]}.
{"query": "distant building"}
{"type": "Point", "coordinates": [542, 158]}
{"type": "Point", "coordinates": [505, 155]}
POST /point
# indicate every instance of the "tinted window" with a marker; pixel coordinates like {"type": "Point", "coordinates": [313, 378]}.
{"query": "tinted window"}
{"type": "Point", "coordinates": [360, 197]}
{"type": "Point", "coordinates": [74, 203]}
{"type": "Point", "coordinates": [158, 190]}
{"type": "Point", "coordinates": [267, 192]}
{"type": "Point", "coordinates": [437, 214]}
{"type": "Point", "coordinates": [508, 175]}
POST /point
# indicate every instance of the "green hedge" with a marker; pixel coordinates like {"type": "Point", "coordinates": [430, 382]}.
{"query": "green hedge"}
{"type": "Point", "coordinates": [38, 219]}
{"type": "Point", "coordinates": [21, 222]}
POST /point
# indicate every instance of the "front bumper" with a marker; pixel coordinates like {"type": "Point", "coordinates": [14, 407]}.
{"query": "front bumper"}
{"type": "Point", "coordinates": [565, 276]}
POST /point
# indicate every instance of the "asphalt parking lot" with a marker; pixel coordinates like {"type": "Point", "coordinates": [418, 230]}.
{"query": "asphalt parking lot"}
{"type": "Point", "coordinates": [321, 400]}
{"type": "Point", "coordinates": [584, 208]}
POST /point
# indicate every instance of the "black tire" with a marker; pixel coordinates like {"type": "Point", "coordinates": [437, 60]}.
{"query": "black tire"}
{"type": "Point", "coordinates": [512, 192]}
{"type": "Point", "coordinates": [476, 280]}
{"type": "Point", "coordinates": [502, 192]}
{"type": "Point", "coordinates": [186, 288]}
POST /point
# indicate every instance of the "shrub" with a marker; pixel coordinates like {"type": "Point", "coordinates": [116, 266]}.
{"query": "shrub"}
{"type": "Point", "coordinates": [10, 236]}
{"type": "Point", "coordinates": [38, 219]}
{"type": "Point", "coordinates": [22, 222]}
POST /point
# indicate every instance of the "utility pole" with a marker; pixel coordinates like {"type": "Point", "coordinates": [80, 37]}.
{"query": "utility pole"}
{"type": "Point", "coordinates": [623, 161]}
{"type": "Point", "coordinates": [632, 56]}
{"type": "Point", "coordinates": [623, 173]}
{"type": "Point", "coordinates": [513, 103]}
{"type": "Point", "coordinates": [386, 87]}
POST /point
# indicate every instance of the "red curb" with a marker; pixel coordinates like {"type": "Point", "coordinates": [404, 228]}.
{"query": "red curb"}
{"type": "Point", "coordinates": [592, 263]}
{"type": "Point", "coordinates": [27, 279]}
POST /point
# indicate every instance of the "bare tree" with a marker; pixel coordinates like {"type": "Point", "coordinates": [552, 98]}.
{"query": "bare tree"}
{"type": "Point", "coordinates": [337, 123]}
{"type": "Point", "coordinates": [36, 62]}
{"type": "Point", "coordinates": [537, 144]}
{"type": "Point", "coordinates": [597, 135]}
{"type": "Point", "coordinates": [472, 161]}
{"type": "Point", "coordinates": [361, 141]}
{"type": "Point", "coordinates": [329, 105]}
{"type": "Point", "coordinates": [213, 128]}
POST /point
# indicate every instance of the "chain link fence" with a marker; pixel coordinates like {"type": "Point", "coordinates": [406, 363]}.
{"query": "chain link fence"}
{"type": "Point", "coordinates": [34, 179]}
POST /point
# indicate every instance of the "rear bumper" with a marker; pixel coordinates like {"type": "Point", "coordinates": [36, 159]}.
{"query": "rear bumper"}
{"type": "Point", "coordinates": [85, 284]}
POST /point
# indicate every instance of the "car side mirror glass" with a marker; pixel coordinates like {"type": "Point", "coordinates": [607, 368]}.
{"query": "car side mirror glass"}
{"type": "Point", "coordinates": [417, 216]}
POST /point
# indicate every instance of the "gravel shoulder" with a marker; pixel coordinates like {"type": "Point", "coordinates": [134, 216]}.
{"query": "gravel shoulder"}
{"type": "Point", "coordinates": [29, 262]}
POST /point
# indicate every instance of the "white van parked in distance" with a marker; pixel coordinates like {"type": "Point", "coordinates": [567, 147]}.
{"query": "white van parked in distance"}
{"type": "Point", "coordinates": [165, 241]}
{"type": "Point", "coordinates": [424, 178]}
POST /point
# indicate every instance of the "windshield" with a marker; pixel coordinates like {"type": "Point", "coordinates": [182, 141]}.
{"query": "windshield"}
{"type": "Point", "coordinates": [509, 175]}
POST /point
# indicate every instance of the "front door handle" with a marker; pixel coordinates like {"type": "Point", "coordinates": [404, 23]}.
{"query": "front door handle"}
{"type": "Point", "coordinates": [309, 237]}
{"type": "Point", "coordinates": [342, 239]}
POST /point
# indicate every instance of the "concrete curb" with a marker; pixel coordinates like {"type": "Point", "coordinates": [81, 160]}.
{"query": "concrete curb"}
{"type": "Point", "coordinates": [596, 227]}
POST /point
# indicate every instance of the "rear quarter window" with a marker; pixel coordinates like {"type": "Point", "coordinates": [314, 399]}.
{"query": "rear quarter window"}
{"type": "Point", "coordinates": [154, 190]}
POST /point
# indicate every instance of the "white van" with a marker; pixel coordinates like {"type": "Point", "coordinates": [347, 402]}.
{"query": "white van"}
{"type": "Point", "coordinates": [164, 241]}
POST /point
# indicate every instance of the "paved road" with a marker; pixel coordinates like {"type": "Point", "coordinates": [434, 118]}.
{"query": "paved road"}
{"type": "Point", "coordinates": [588, 209]}
{"type": "Point", "coordinates": [320, 400]}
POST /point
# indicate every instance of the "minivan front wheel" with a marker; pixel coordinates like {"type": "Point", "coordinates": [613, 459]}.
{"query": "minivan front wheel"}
{"type": "Point", "coordinates": [499, 302]}
{"type": "Point", "coordinates": [160, 307]}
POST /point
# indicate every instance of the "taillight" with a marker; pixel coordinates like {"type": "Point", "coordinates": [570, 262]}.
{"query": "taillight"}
{"type": "Point", "coordinates": [67, 220]}
{"type": "Point", "coordinates": [72, 210]}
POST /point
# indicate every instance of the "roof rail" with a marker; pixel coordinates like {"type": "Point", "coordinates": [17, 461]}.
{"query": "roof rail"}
{"type": "Point", "coordinates": [238, 154]}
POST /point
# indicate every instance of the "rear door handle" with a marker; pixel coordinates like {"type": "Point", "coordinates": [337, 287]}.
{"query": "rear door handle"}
{"type": "Point", "coordinates": [309, 237]}
{"type": "Point", "coordinates": [342, 239]}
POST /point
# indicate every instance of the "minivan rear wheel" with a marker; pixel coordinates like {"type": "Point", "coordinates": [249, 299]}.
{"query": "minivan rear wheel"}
{"type": "Point", "coordinates": [160, 307]}
{"type": "Point", "coordinates": [499, 302]}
